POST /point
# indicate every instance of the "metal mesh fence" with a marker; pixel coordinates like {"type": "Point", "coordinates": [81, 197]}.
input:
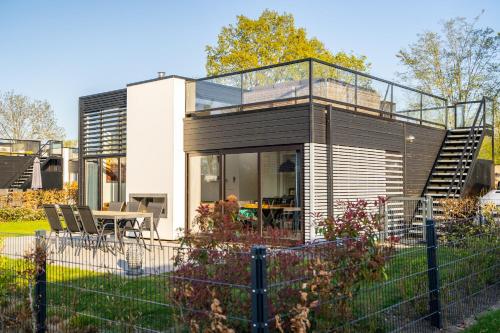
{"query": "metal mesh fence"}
{"type": "Point", "coordinates": [169, 288]}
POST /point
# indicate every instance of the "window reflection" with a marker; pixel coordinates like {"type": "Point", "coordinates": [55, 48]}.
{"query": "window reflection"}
{"type": "Point", "coordinates": [110, 178]}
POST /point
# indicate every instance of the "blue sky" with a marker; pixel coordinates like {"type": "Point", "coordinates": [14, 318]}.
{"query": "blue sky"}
{"type": "Point", "coordinates": [60, 50]}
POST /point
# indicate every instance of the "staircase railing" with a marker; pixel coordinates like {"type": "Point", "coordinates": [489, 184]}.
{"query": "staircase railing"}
{"type": "Point", "coordinates": [46, 150]}
{"type": "Point", "coordinates": [467, 154]}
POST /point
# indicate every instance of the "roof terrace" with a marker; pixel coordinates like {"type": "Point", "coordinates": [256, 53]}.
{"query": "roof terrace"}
{"type": "Point", "coordinates": [311, 80]}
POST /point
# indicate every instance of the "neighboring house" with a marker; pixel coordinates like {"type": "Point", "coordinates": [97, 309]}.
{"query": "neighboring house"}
{"type": "Point", "coordinates": [16, 163]}
{"type": "Point", "coordinates": [287, 140]}
{"type": "Point", "coordinates": [70, 165]}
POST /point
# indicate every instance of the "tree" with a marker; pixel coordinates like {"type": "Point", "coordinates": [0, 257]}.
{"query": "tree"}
{"type": "Point", "coordinates": [23, 118]}
{"type": "Point", "coordinates": [268, 40]}
{"type": "Point", "coordinates": [461, 63]}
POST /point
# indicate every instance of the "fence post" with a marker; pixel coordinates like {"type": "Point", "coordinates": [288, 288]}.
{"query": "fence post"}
{"type": "Point", "coordinates": [433, 275]}
{"type": "Point", "coordinates": [40, 297]}
{"type": "Point", "coordinates": [429, 214]}
{"type": "Point", "coordinates": [260, 314]}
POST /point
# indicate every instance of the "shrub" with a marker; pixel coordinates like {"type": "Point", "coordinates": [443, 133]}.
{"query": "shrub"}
{"type": "Point", "coordinates": [218, 255]}
{"type": "Point", "coordinates": [20, 214]}
{"type": "Point", "coordinates": [465, 217]}
{"type": "Point", "coordinates": [35, 199]}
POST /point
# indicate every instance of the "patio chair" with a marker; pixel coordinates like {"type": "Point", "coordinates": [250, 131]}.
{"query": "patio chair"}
{"type": "Point", "coordinates": [131, 224]}
{"type": "Point", "coordinates": [134, 206]}
{"type": "Point", "coordinates": [156, 209]}
{"type": "Point", "coordinates": [72, 225]}
{"type": "Point", "coordinates": [93, 233]}
{"type": "Point", "coordinates": [56, 226]}
{"type": "Point", "coordinates": [116, 206]}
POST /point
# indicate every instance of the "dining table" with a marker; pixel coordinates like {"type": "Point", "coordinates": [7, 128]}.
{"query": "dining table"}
{"type": "Point", "coordinates": [116, 216]}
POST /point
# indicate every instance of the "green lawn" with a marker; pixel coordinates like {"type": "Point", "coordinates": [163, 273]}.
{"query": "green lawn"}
{"type": "Point", "coordinates": [24, 227]}
{"type": "Point", "coordinates": [135, 301]}
{"type": "Point", "coordinates": [487, 323]}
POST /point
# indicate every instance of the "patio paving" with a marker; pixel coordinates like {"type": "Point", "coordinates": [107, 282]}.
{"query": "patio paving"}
{"type": "Point", "coordinates": [156, 260]}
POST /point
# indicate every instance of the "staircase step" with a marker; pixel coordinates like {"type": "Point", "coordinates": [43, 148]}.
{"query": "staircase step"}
{"type": "Point", "coordinates": [460, 148]}
{"type": "Point", "coordinates": [462, 130]}
{"type": "Point", "coordinates": [445, 180]}
{"type": "Point", "coordinates": [441, 188]}
{"type": "Point", "coordinates": [452, 154]}
{"type": "Point", "coordinates": [443, 195]}
{"type": "Point", "coordinates": [454, 167]}
{"type": "Point", "coordinates": [459, 142]}
{"type": "Point", "coordinates": [448, 161]}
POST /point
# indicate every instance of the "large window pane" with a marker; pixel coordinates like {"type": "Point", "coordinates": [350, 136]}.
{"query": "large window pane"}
{"type": "Point", "coordinates": [241, 181]}
{"type": "Point", "coordinates": [91, 183]}
{"type": "Point", "coordinates": [110, 178]}
{"type": "Point", "coordinates": [204, 182]}
{"type": "Point", "coordinates": [279, 181]}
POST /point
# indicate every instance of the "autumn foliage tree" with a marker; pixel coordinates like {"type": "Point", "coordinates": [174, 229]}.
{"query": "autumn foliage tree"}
{"type": "Point", "coordinates": [270, 39]}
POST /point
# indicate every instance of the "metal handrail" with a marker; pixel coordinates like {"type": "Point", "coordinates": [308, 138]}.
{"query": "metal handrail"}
{"type": "Point", "coordinates": [388, 95]}
{"type": "Point", "coordinates": [479, 122]}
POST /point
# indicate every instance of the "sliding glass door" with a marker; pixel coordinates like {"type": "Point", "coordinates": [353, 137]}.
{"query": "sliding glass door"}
{"type": "Point", "coordinates": [105, 181]}
{"type": "Point", "coordinates": [279, 196]}
{"type": "Point", "coordinates": [204, 182]}
{"type": "Point", "coordinates": [266, 183]}
{"type": "Point", "coordinates": [241, 180]}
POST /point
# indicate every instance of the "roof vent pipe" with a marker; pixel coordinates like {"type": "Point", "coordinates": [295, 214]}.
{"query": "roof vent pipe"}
{"type": "Point", "coordinates": [161, 75]}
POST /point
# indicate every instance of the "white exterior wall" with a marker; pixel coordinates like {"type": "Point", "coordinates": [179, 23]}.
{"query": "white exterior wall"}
{"type": "Point", "coordinates": [65, 153]}
{"type": "Point", "coordinates": [155, 155]}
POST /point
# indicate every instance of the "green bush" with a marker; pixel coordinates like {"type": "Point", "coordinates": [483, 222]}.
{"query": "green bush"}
{"type": "Point", "coordinates": [12, 214]}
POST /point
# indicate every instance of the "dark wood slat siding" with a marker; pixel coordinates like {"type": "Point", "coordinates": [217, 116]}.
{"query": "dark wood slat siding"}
{"type": "Point", "coordinates": [420, 156]}
{"type": "Point", "coordinates": [277, 126]}
{"type": "Point", "coordinates": [358, 130]}
{"type": "Point", "coordinates": [319, 124]}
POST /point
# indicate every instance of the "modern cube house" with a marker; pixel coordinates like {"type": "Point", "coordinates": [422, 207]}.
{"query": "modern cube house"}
{"type": "Point", "coordinates": [286, 141]}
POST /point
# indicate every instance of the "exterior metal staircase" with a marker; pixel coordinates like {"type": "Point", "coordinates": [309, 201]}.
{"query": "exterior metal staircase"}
{"type": "Point", "coordinates": [48, 150]}
{"type": "Point", "coordinates": [21, 181]}
{"type": "Point", "coordinates": [451, 171]}
{"type": "Point", "coordinates": [454, 163]}
{"type": "Point", "coordinates": [457, 158]}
